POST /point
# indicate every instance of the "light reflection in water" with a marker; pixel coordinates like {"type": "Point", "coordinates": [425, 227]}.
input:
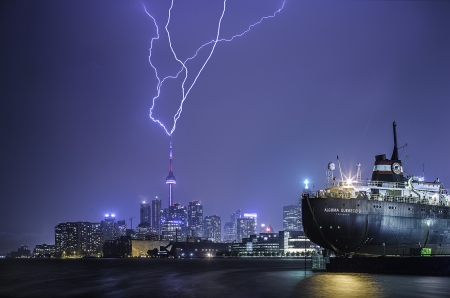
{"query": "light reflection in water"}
{"type": "Point", "coordinates": [339, 285]}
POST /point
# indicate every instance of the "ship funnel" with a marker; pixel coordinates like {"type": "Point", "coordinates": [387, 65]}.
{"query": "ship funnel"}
{"type": "Point", "coordinates": [395, 152]}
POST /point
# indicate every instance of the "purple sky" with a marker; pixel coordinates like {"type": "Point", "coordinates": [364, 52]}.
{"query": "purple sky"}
{"type": "Point", "coordinates": [272, 108]}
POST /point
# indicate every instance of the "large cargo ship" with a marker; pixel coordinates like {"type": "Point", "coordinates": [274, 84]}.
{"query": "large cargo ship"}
{"type": "Point", "coordinates": [389, 215]}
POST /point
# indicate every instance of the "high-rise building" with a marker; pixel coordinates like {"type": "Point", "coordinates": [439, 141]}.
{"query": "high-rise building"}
{"type": "Point", "coordinates": [234, 217]}
{"type": "Point", "coordinates": [291, 218]}
{"type": "Point", "coordinates": [109, 227]}
{"type": "Point", "coordinates": [171, 230]}
{"type": "Point", "coordinates": [156, 215]}
{"type": "Point", "coordinates": [246, 226]}
{"type": "Point", "coordinates": [195, 218]}
{"type": "Point", "coordinates": [178, 212]}
{"type": "Point", "coordinates": [121, 228]}
{"type": "Point", "coordinates": [145, 212]}
{"type": "Point", "coordinates": [78, 238]}
{"type": "Point", "coordinates": [228, 234]}
{"type": "Point", "coordinates": [96, 237]}
{"type": "Point", "coordinates": [212, 228]}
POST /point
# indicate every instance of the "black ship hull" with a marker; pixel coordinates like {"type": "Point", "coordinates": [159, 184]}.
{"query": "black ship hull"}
{"type": "Point", "coordinates": [375, 227]}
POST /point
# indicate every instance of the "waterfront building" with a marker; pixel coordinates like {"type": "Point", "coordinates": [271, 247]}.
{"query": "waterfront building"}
{"type": "Point", "coordinates": [66, 238]}
{"type": "Point", "coordinates": [22, 252]}
{"type": "Point", "coordinates": [44, 251]}
{"type": "Point", "coordinates": [96, 239]}
{"type": "Point", "coordinates": [246, 226]}
{"type": "Point", "coordinates": [264, 244]}
{"type": "Point", "coordinates": [212, 228]}
{"type": "Point", "coordinates": [228, 235]}
{"type": "Point", "coordinates": [117, 248]}
{"type": "Point", "coordinates": [145, 212]}
{"type": "Point", "coordinates": [296, 243]}
{"type": "Point", "coordinates": [74, 239]}
{"type": "Point", "coordinates": [156, 215]}
{"type": "Point", "coordinates": [195, 218]}
{"type": "Point", "coordinates": [291, 218]}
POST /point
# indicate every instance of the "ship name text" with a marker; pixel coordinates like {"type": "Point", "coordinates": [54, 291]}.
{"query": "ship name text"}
{"type": "Point", "coordinates": [342, 210]}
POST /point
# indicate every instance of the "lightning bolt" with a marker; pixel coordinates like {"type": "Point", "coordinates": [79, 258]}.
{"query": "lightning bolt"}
{"type": "Point", "coordinates": [186, 90]}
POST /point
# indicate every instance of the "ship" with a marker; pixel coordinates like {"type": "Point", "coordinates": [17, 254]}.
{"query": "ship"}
{"type": "Point", "coordinates": [391, 214]}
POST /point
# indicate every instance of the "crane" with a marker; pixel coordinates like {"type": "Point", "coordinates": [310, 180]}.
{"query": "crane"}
{"type": "Point", "coordinates": [131, 222]}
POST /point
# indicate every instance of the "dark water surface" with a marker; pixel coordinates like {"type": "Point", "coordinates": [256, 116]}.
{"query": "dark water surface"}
{"type": "Point", "coordinates": [201, 278]}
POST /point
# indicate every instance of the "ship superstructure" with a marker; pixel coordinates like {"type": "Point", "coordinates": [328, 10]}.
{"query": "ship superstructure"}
{"type": "Point", "coordinates": [388, 214]}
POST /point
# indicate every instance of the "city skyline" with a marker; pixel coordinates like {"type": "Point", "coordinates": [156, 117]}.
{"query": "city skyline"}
{"type": "Point", "coordinates": [271, 108]}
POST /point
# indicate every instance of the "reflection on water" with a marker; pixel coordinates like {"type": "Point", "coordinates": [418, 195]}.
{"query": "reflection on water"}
{"type": "Point", "coordinates": [339, 285]}
{"type": "Point", "coordinates": [202, 278]}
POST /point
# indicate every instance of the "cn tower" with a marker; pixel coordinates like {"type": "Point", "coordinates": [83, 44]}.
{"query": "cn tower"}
{"type": "Point", "coordinates": [170, 178]}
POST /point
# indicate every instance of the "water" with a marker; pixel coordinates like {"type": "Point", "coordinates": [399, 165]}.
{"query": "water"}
{"type": "Point", "coordinates": [201, 278]}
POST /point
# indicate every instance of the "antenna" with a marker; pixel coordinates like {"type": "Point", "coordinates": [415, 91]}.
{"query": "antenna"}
{"type": "Point", "coordinates": [131, 221]}
{"type": "Point", "coordinates": [358, 172]}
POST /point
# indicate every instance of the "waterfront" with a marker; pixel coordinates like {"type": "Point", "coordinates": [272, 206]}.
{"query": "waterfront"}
{"type": "Point", "coordinates": [213, 277]}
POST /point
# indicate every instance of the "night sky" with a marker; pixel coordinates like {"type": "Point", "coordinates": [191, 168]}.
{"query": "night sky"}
{"type": "Point", "coordinates": [269, 110]}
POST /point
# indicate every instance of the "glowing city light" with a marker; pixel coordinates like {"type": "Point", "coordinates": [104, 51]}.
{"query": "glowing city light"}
{"type": "Point", "coordinates": [306, 183]}
{"type": "Point", "coordinates": [184, 68]}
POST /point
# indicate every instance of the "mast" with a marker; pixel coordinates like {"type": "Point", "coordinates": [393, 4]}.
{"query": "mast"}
{"type": "Point", "coordinates": [395, 152]}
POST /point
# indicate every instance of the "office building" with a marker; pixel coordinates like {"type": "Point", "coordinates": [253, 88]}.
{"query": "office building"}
{"type": "Point", "coordinates": [121, 228]}
{"type": "Point", "coordinates": [228, 234]}
{"type": "Point", "coordinates": [156, 215]}
{"type": "Point", "coordinates": [291, 218]}
{"type": "Point", "coordinates": [75, 239]}
{"type": "Point", "coordinates": [145, 212]}
{"type": "Point", "coordinates": [246, 226]}
{"type": "Point", "coordinates": [195, 218]}
{"type": "Point", "coordinates": [109, 227]}
{"type": "Point", "coordinates": [212, 228]}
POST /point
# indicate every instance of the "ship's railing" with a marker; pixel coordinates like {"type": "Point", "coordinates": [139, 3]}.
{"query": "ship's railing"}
{"type": "Point", "coordinates": [382, 197]}
{"type": "Point", "coordinates": [365, 183]}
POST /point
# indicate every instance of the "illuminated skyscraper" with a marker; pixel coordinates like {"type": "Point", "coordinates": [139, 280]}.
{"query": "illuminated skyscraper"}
{"type": "Point", "coordinates": [121, 228]}
{"type": "Point", "coordinates": [234, 217]}
{"type": "Point", "coordinates": [195, 218]}
{"type": "Point", "coordinates": [156, 215]}
{"type": "Point", "coordinates": [170, 178]}
{"type": "Point", "coordinates": [78, 239]}
{"type": "Point", "coordinates": [228, 234]}
{"type": "Point", "coordinates": [109, 227]}
{"type": "Point", "coordinates": [246, 226]}
{"type": "Point", "coordinates": [212, 228]}
{"type": "Point", "coordinates": [145, 212]}
{"type": "Point", "coordinates": [291, 218]}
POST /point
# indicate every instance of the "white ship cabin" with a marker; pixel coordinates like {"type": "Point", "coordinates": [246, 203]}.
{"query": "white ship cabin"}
{"type": "Point", "coordinates": [411, 190]}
